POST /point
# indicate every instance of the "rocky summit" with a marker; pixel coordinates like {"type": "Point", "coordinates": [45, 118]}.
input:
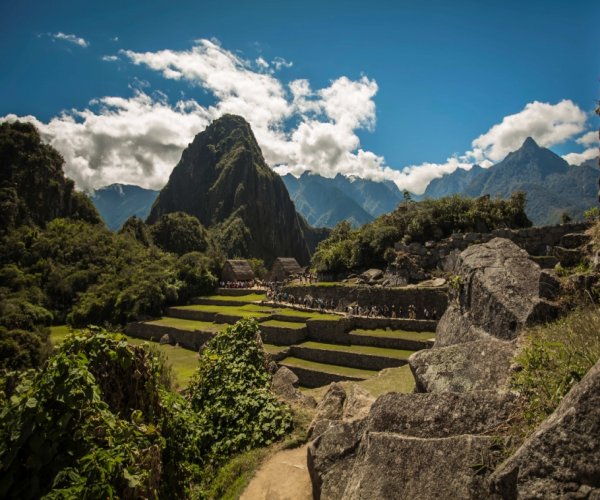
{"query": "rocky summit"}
{"type": "Point", "coordinates": [223, 180]}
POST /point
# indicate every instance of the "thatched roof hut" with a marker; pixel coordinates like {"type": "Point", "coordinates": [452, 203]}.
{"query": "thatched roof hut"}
{"type": "Point", "coordinates": [284, 267]}
{"type": "Point", "coordinates": [237, 270]}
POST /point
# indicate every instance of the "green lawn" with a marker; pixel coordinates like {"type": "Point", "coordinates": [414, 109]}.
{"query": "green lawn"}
{"type": "Point", "coordinates": [188, 324]}
{"type": "Point", "coordinates": [308, 314]}
{"type": "Point", "coordinates": [359, 349]}
{"type": "Point", "coordinates": [284, 324]}
{"type": "Point", "coordinates": [400, 334]}
{"type": "Point", "coordinates": [182, 361]}
{"type": "Point", "coordinates": [239, 311]}
{"type": "Point", "coordinates": [322, 367]}
{"type": "Point", "coordinates": [251, 297]}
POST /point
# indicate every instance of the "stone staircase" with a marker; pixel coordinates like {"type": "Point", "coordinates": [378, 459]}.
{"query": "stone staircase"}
{"type": "Point", "coordinates": [319, 347]}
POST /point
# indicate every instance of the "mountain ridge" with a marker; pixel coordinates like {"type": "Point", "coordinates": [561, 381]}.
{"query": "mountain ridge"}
{"type": "Point", "coordinates": [553, 186]}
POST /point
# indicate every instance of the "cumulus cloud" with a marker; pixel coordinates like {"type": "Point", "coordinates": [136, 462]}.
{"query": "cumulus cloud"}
{"type": "Point", "coordinates": [136, 140]}
{"type": "Point", "coordinates": [139, 139]}
{"type": "Point", "coordinates": [579, 158]}
{"type": "Point", "coordinates": [548, 124]}
{"type": "Point", "coordinates": [110, 58]}
{"type": "Point", "coordinates": [76, 40]}
{"type": "Point", "coordinates": [589, 138]}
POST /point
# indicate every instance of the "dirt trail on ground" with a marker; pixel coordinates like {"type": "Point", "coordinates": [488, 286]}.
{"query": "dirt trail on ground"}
{"type": "Point", "coordinates": [283, 477]}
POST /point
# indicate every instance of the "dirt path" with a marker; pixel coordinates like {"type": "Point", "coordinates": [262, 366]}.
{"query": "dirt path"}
{"type": "Point", "coordinates": [283, 477]}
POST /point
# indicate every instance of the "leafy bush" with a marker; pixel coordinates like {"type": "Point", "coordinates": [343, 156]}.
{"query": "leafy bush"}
{"type": "Point", "coordinates": [59, 435]}
{"type": "Point", "coordinates": [21, 349]}
{"type": "Point", "coordinates": [232, 394]}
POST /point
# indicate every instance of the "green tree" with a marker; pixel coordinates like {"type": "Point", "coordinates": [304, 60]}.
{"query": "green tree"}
{"type": "Point", "coordinates": [180, 233]}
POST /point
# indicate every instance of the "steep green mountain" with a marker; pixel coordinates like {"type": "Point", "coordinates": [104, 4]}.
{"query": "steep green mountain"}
{"type": "Point", "coordinates": [223, 180]}
{"type": "Point", "coordinates": [553, 186]}
{"type": "Point", "coordinates": [323, 204]}
{"type": "Point", "coordinates": [117, 202]}
{"type": "Point", "coordinates": [33, 187]}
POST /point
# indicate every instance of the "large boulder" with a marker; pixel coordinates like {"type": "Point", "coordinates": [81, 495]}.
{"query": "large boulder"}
{"type": "Point", "coordinates": [391, 466]}
{"type": "Point", "coordinates": [409, 445]}
{"type": "Point", "coordinates": [562, 458]}
{"type": "Point", "coordinates": [441, 415]}
{"type": "Point", "coordinates": [285, 385]}
{"type": "Point", "coordinates": [340, 404]}
{"type": "Point", "coordinates": [497, 291]}
{"type": "Point", "coordinates": [472, 366]}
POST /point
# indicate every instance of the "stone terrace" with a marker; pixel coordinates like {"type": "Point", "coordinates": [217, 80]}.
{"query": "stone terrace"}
{"type": "Point", "coordinates": [319, 347]}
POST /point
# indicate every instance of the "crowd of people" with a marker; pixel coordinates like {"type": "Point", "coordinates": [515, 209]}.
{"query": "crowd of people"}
{"type": "Point", "coordinates": [276, 294]}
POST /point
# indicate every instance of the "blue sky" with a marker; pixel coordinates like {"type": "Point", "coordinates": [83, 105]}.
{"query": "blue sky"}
{"type": "Point", "coordinates": [410, 84]}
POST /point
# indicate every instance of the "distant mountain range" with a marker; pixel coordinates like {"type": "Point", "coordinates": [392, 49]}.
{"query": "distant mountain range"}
{"type": "Point", "coordinates": [553, 186]}
{"type": "Point", "coordinates": [117, 202]}
{"type": "Point", "coordinates": [325, 202]}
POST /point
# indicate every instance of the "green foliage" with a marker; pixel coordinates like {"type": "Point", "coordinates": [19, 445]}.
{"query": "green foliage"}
{"type": "Point", "coordinates": [138, 230]}
{"type": "Point", "coordinates": [347, 249]}
{"type": "Point", "coordinates": [592, 214]}
{"type": "Point", "coordinates": [83, 271]}
{"type": "Point", "coordinates": [180, 233]}
{"type": "Point", "coordinates": [58, 433]}
{"type": "Point", "coordinates": [21, 349]}
{"type": "Point", "coordinates": [555, 358]}
{"type": "Point", "coordinates": [98, 420]}
{"type": "Point", "coordinates": [33, 188]}
{"type": "Point", "coordinates": [232, 394]}
{"type": "Point", "coordinates": [258, 267]}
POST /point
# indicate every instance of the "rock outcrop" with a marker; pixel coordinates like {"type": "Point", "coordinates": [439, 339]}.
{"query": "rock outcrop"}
{"type": "Point", "coordinates": [223, 180]}
{"type": "Point", "coordinates": [562, 458]}
{"type": "Point", "coordinates": [497, 291]}
{"type": "Point", "coordinates": [286, 385]}
{"type": "Point", "coordinates": [447, 440]}
{"type": "Point", "coordinates": [471, 366]}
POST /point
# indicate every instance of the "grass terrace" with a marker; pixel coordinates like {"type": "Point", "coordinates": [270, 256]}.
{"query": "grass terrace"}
{"type": "Point", "coordinates": [335, 369]}
{"type": "Point", "coordinates": [308, 314]}
{"type": "Point", "coordinates": [359, 349]}
{"type": "Point", "coordinates": [402, 334]}
{"type": "Point", "coordinates": [188, 324]}
{"type": "Point", "coordinates": [284, 324]}
{"type": "Point", "coordinates": [226, 310]}
{"type": "Point", "coordinates": [252, 297]}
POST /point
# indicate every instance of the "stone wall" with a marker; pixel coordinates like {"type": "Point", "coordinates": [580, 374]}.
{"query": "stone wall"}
{"type": "Point", "coordinates": [191, 340]}
{"type": "Point", "coordinates": [535, 240]}
{"type": "Point", "coordinates": [430, 298]}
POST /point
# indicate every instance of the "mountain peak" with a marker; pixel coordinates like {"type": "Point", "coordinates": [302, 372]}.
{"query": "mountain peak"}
{"type": "Point", "coordinates": [530, 144]}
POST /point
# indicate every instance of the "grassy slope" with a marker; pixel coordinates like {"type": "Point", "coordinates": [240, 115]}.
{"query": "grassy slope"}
{"type": "Point", "coordinates": [182, 361]}
{"type": "Point", "coordinates": [400, 334]}
{"type": "Point", "coordinates": [359, 349]}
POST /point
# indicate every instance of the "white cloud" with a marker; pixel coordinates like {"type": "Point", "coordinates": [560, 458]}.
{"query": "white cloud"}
{"type": "Point", "coordinates": [579, 158]}
{"type": "Point", "coordinates": [136, 140]}
{"type": "Point", "coordinates": [110, 58]}
{"type": "Point", "coordinates": [280, 62]}
{"type": "Point", "coordinates": [76, 40]}
{"type": "Point", "coordinates": [261, 63]}
{"type": "Point", "coordinates": [589, 138]}
{"type": "Point", "coordinates": [548, 124]}
{"type": "Point", "coordinates": [139, 139]}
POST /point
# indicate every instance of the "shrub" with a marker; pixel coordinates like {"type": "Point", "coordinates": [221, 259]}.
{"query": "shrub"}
{"type": "Point", "coordinates": [231, 392]}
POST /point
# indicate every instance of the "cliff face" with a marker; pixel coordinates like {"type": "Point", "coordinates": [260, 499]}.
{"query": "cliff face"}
{"type": "Point", "coordinates": [223, 180]}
